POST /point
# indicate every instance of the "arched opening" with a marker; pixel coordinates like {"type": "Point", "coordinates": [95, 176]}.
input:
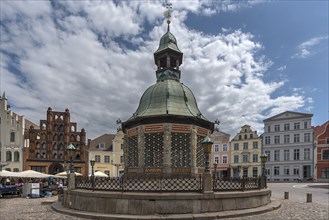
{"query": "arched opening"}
{"type": "Point", "coordinates": [16, 156]}
{"type": "Point", "coordinates": [8, 156]}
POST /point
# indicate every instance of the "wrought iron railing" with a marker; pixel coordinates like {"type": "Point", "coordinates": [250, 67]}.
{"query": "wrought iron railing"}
{"type": "Point", "coordinates": [146, 184]}
{"type": "Point", "coordinates": [238, 184]}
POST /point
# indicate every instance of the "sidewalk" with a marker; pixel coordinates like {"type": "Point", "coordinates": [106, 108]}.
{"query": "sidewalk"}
{"type": "Point", "coordinates": [22, 208]}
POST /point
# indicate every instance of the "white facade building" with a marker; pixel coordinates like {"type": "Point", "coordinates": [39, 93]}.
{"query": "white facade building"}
{"type": "Point", "coordinates": [288, 143]}
{"type": "Point", "coordinates": [11, 137]}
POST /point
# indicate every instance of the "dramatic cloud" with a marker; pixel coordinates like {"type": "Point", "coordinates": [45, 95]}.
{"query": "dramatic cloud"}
{"type": "Point", "coordinates": [96, 58]}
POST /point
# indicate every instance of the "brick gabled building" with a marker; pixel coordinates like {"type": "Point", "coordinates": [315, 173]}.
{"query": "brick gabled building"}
{"type": "Point", "coordinates": [45, 148]}
{"type": "Point", "coordinates": [321, 142]}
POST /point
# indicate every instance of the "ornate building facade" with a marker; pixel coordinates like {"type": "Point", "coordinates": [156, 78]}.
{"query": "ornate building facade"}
{"type": "Point", "coordinates": [45, 149]}
{"type": "Point", "coordinates": [245, 153]}
{"type": "Point", "coordinates": [164, 134]}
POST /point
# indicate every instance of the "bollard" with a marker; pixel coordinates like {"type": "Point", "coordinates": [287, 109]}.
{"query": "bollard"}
{"type": "Point", "coordinates": [286, 195]}
{"type": "Point", "coordinates": [309, 197]}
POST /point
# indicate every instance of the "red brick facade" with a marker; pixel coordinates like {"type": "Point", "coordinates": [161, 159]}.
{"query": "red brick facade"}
{"type": "Point", "coordinates": [321, 141]}
{"type": "Point", "coordinates": [46, 151]}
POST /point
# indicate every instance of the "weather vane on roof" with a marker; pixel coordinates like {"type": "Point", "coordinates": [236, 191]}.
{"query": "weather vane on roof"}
{"type": "Point", "coordinates": [167, 12]}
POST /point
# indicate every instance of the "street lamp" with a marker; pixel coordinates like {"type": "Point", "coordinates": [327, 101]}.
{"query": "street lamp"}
{"type": "Point", "coordinates": [263, 160]}
{"type": "Point", "coordinates": [215, 166]}
{"type": "Point", "coordinates": [207, 145]}
{"type": "Point", "coordinates": [92, 163]}
{"type": "Point", "coordinates": [71, 151]}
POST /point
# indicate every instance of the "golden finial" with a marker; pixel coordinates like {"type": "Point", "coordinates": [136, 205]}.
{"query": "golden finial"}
{"type": "Point", "coordinates": [167, 13]}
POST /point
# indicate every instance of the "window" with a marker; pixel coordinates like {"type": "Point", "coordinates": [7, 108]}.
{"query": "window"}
{"type": "Point", "coordinates": [286, 170]}
{"type": "Point", "coordinates": [245, 158]}
{"type": "Point", "coordinates": [16, 156]}
{"type": "Point", "coordinates": [325, 173]}
{"type": "Point", "coordinates": [121, 146]}
{"type": "Point", "coordinates": [255, 158]}
{"type": "Point", "coordinates": [97, 158]}
{"type": "Point", "coordinates": [254, 171]}
{"type": "Point", "coordinates": [245, 146]}
{"type": "Point", "coordinates": [297, 126]}
{"type": "Point", "coordinates": [268, 128]}
{"type": "Point", "coordinates": [216, 160]}
{"type": "Point", "coordinates": [101, 146]}
{"type": "Point", "coordinates": [325, 155]}
{"type": "Point", "coordinates": [12, 136]}
{"type": "Point", "coordinates": [224, 147]}
{"type": "Point", "coordinates": [267, 171]}
{"type": "Point", "coordinates": [286, 127]}
{"type": "Point", "coordinates": [296, 171]}
{"type": "Point", "coordinates": [276, 171]}
{"type": "Point", "coordinates": [286, 154]}
{"type": "Point", "coordinates": [286, 138]}
{"type": "Point", "coordinates": [268, 153]}
{"type": "Point", "coordinates": [267, 140]}
{"type": "Point", "coordinates": [106, 159]}
{"type": "Point", "coordinates": [8, 156]}
{"type": "Point", "coordinates": [276, 155]}
{"type": "Point", "coordinates": [305, 124]}
{"type": "Point", "coordinates": [277, 139]}
{"type": "Point", "coordinates": [39, 169]}
{"type": "Point", "coordinates": [224, 159]}
{"type": "Point", "coordinates": [307, 154]}
{"type": "Point", "coordinates": [216, 148]}
{"type": "Point", "coordinates": [236, 158]}
{"type": "Point", "coordinates": [236, 146]}
{"type": "Point", "coordinates": [255, 145]}
{"type": "Point", "coordinates": [245, 172]}
{"type": "Point", "coordinates": [296, 138]}
{"type": "Point", "coordinates": [276, 127]}
{"type": "Point", "coordinates": [121, 159]}
{"type": "Point", "coordinates": [296, 154]}
{"type": "Point", "coordinates": [251, 136]}
{"type": "Point", "coordinates": [307, 137]}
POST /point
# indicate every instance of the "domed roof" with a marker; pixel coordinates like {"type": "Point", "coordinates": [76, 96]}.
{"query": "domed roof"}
{"type": "Point", "coordinates": [168, 97]}
{"type": "Point", "coordinates": [168, 41]}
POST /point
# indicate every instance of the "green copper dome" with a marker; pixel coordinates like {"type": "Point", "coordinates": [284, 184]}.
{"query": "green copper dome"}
{"type": "Point", "coordinates": [168, 41]}
{"type": "Point", "coordinates": [168, 97]}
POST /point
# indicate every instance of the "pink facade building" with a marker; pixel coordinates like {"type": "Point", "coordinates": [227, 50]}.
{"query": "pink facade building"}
{"type": "Point", "coordinates": [220, 155]}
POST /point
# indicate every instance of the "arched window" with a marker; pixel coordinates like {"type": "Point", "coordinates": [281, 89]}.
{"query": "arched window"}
{"type": "Point", "coordinates": [61, 117]}
{"type": "Point", "coordinates": [16, 156]}
{"type": "Point", "coordinates": [38, 155]}
{"type": "Point", "coordinates": [38, 145]}
{"type": "Point", "coordinates": [55, 127]}
{"type": "Point", "coordinates": [8, 156]}
{"type": "Point", "coordinates": [16, 170]}
{"type": "Point", "coordinates": [56, 117]}
{"type": "Point", "coordinates": [61, 147]}
{"type": "Point", "coordinates": [55, 146]}
{"type": "Point", "coordinates": [245, 136]}
{"type": "Point", "coordinates": [55, 156]}
{"type": "Point", "coordinates": [73, 128]}
{"type": "Point", "coordinates": [78, 137]}
{"type": "Point", "coordinates": [61, 128]}
{"type": "Point", "coordinates": [8, 169]}
{"type": "Point", "coordinates": [77, 156]}
{"type": "Point", "coordinates": [251, 136]}
{"type": "Point", "coordinates": [44, 155]}
{"type": "Point", "coordinates": [240, 137]}
{"type": "Point", "coordinates": [61, 137]}
{"type": "Point", "coordinates": [44, 146]}
{"type": "Point", "coordinates": [72, 138]}
{"type": "Point", "coordinates": [60, 156]}
{"type": "Point", "coordinates": [43, 127]}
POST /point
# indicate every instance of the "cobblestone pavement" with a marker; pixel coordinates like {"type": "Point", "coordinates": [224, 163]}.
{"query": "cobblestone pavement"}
{"type": "Point", "coordinates": [22, 208]}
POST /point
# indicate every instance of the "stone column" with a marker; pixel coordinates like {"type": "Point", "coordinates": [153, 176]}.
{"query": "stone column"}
{"type": "Point", "coordinates": [71, 181]}
{"type": "Point", "coordinates": [194, 141]}
{"type": "Point", "coordinates": [166, 150]}
{"type": "Point", "coordinates": [141, 150]}
{"type": "Point", "coordinates": [207, 182]}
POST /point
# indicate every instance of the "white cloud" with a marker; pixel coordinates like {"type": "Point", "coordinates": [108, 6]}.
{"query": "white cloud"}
{"type": "Point", "coordinates": [306, 49]}
{"type": "Point", "coordinates": [282, 68]}
{"type": "Point", "coordinates": [96, 58]}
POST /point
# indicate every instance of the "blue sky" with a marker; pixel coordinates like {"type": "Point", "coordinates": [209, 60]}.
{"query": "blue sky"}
{"type": "Point", "coordinates": [256, 58]}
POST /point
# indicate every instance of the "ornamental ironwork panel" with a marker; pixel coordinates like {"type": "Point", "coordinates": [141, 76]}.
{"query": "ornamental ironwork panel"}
{"type": "Point", "coordinates": [148, 184]}
{"type": "Point", "coordinates": [133, 151]}
{"type": "Point", "coordinates": [199, 152]}
{"type": "Point", "coordinates": [181, 150]}
{"type": "Point", "coordinates": [236, 184]}
{"type": "Point", "coordinates": [153, 150]}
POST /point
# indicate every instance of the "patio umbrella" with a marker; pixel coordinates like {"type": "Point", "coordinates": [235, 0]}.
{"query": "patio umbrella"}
{"type": "Point", "coordinates": [6, 173]}
{"type": "Point", "coordinates": [32, 174]}
{"type": "Point", "coordinates": [64, 173]}
{"type": "Point", "coordinates": [100, 174]}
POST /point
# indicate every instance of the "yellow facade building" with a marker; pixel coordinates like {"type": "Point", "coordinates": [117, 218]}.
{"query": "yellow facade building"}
{"type": "Point", "coordinates": [107, 151]}
{"type": "Point", "coordinates": [245, 153]}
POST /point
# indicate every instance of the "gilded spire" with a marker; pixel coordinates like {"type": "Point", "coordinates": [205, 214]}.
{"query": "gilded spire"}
{"type": "Point", "coordinates": [167, 14]}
